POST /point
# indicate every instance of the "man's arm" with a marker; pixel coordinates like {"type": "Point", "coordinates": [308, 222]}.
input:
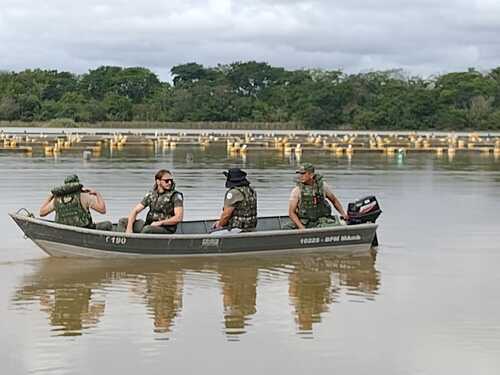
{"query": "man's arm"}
{"type": "Point", "coordinates": [336, 203]}
{"type": "Point", "coordinates": [98, 204]}
{"type": "Point", "coordinates": [132, 216]}
{"type": "Point", "coordinates": [47, 206]}
{"type": "Point", "coordinates": [232, 197]}
{"type": "Point", "coordinates": [176, 219]}
{"type": "Point", "coordinates": [225, 216]}
{"type": "Point", "coordinates": [292, 212]}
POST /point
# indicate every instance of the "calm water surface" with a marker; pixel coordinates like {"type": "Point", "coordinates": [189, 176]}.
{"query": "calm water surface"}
{"type": "Point", "coordinates": [426, 303]}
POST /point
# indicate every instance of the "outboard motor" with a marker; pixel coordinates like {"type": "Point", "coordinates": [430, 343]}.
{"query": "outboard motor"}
{"type": "Point", "coordinates": [365, 210]}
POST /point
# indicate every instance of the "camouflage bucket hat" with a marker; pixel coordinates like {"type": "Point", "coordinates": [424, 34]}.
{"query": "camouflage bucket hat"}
{"type": "Point", "coordinates": [68, 188]}
{"type": "Point", "coordinates": [71, 179]}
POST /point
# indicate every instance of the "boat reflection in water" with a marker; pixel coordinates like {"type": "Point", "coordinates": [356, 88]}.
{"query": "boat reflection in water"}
{"type": "Point", "coordinates": [74, 292]}
{"type": "Point", "coordinates": [317, 282]}
{"type": "Point", "coordinates": [239, 290]}
{"type": "Point", "coordinates": [163, 296]}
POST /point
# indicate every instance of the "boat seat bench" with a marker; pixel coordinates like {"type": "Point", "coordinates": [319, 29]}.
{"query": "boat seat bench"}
{"type": "Point", "coordinates": [263, 224]}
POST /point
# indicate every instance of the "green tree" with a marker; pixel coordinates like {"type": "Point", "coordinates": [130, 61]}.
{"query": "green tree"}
{"type": "Point", "coordinates": [118, 108]}
{"type": "Point", "coordinates": [252, 78]}
{"type": "Point", "coordinates": [29, 107]}
{"type": "Point", "coordinates": [188, 73]}
{"type": "Point", "coordinates": [98, 83]}
{"type": "Point", "coordinates": [58, 84]}
{"type": "Point", "coordinates": [9, 109]}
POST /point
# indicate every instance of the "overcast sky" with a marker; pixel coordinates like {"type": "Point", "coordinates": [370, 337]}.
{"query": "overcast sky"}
{"type": "Point", "coordinates": [423, 37]}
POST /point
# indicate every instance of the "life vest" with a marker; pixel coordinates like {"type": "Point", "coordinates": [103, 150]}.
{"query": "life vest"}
{"type": "Point", "coordinates": [68, 206]}
{"type": "Point", "coordinates": [161, 206]}
{"type": "Point", "coordinates": [245, 211]}
{"type": "Point", "coordinates": [313, 204]}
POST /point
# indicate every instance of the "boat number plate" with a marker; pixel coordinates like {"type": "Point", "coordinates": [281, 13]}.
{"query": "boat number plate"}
{"type": "Point", "coordinates": [116, 240]}
{"type": "Point", "coordinates": [329, 239]}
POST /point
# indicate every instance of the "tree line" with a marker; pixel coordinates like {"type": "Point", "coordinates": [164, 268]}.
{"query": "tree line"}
{"type": "Point", "coordinates": [257, 92]}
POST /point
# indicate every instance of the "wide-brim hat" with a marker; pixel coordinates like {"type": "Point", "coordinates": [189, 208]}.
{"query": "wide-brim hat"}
{"type": "Point", "coordinates": [235, 174]}
{"type": "Point", "coordinates": [235, 177]}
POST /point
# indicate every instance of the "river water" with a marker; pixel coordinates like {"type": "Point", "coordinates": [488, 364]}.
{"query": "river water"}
{"type": "Point", "coordinates": [426, 302]}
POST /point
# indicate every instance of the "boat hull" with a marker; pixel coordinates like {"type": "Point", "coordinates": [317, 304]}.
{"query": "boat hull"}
{"type": "Point", "coordinates": [66, 241]}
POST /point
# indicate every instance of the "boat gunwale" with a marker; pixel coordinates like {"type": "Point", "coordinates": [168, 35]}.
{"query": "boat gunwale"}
{"type": "Point", "coordinates": [278, 232]}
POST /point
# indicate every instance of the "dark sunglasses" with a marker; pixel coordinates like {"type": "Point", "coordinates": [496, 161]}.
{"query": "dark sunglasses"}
{"type": "Point", "coordinates": [166, 180]}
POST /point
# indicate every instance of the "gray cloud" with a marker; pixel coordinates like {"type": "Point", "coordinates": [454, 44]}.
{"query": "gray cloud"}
{"type": "Point", "coordinates": [421, 36]}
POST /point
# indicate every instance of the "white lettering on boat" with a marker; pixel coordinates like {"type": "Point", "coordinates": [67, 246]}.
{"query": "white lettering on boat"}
{"type": "Point", "coordinates": [210, 242]}
{"type": "Point", "coordinates": [116, 240]}
{"type": "Point", "coordinates": [330, 239]}
{"type": "Point", "coordinates": [310, 240]}
{"type": "Point", "coordinates": [350, 237]}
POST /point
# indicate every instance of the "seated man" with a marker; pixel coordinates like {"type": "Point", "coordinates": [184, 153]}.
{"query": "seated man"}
{"type": "Point", "coordinates": [166, 208]}
{"type": "Point", "coordinates": [72, 203]}
{"type": "Point", "coordinates": [240, 205]}
{"type": "Point", "coordinates": [308, 206]}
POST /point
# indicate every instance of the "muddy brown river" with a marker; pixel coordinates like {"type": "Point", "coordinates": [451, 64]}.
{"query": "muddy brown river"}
{"type": "Point", "coordinates": [426, 302]}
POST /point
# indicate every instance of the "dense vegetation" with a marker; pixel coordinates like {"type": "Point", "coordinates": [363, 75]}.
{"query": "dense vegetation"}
{"type": "Point", "coordinates": [256, 92]}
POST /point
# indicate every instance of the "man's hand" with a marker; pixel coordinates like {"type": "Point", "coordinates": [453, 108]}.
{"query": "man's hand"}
{"type": "Point", "coordinates": [216, 224]}
{"type": "Point", "coordinates": [157, 223]}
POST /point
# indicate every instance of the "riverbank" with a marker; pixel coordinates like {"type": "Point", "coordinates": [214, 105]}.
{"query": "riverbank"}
{"type": "Point", "coordinates": [68, 123]}
{"type": "Point", "coordinates": [221, 127]}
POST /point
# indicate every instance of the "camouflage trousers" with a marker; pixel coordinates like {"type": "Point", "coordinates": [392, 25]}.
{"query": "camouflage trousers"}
{"type": "Point", "coordinates": [140, 226]}
{"type": "Point", "coordinates": [322, 222]}
{"type": "Point", "coordinates": [103, 225]}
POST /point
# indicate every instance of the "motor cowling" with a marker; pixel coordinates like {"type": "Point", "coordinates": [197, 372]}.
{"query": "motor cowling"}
{"type": "Point", "coordinates": [365, 210]}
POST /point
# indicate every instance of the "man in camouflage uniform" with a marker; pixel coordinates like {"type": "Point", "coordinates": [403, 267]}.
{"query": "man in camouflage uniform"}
{"type": "Point", "coordinates": [240, 205]}
{"type": "Point", "coordinates": [308, 206]}
{"type": "Point", "coordinates": [166, 208]}
{"type": "Point", "coordinates": [72, 203]}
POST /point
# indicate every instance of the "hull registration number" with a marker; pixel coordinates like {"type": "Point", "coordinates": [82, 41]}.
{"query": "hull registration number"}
{"type": "Point", "coordinates": [116, 240]}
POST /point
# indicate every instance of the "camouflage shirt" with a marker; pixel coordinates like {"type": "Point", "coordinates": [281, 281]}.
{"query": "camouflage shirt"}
{"type": "Point", "coordinates": [313, 203]}
{"type": "Point", "coordinates": [70, 211]}
{"type": "Point", "coordinates": [244, 201]}
{"type": "Point", "coordinates": [161, 205]}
